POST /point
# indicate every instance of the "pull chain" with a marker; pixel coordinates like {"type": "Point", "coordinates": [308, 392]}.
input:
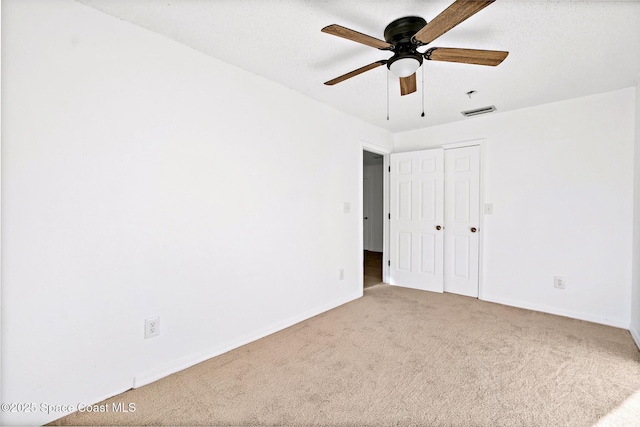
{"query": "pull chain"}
{"type": "Point", "coordinates": [422, 115]}
{"type": "Point", "coordinates": [387, 93]}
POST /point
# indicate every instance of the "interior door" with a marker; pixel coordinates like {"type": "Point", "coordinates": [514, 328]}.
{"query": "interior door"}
{"type": "Point", "coordinates": [462, 220]}
{"type": "Point", "coordinates": [366, 212]}
{"type": "Point", "coordinates": [416, 219]}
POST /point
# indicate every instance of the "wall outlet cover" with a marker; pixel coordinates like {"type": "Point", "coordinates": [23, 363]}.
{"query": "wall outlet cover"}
{"type": "Point", "coordinates": [559, 282]}
{"type": "Point", "coordinates": [152, 327]}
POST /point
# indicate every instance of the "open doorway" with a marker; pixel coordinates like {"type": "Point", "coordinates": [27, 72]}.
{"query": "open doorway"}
{"type": "Point", "coordinates": [373, 217]}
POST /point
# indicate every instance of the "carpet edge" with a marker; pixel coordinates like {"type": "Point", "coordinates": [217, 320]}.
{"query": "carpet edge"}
{"type": "Point", "coordinates": [565, 313]}
{"type": "Point", "coordinates": [166, 369]}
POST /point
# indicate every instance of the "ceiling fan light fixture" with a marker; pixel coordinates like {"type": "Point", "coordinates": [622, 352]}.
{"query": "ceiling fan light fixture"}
{"type": "Point", "coordinates": [404, 67]}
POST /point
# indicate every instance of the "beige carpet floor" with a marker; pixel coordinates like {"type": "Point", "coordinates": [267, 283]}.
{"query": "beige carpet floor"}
{"type": "Point", "coordinates": [401, 357]}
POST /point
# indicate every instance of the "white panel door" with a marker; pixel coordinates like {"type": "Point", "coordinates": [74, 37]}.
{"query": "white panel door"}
{"type": "Point", "coordinates": [417, 213]}
{"type": "Point", "coordinates": [462, 220]}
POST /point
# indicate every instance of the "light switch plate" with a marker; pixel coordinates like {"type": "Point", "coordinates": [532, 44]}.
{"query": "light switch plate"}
{"type": "Point", "coordinates": [488, 208]}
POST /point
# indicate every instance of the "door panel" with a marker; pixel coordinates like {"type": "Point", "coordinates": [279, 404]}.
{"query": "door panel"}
{"type": "Point", "coordinates": [428, 199]}
{"type": "Point", "coordinates": [416, 246]}
{"type": "Point", "coordinates": [404, 200]}
{"type": "Point", "coordinates": [405, 253]}
{"type": "Point", "coordinates": [461, 261]}
{"type": "Point", "coordinates": [428, 247]}
{"type": "Point", "coordinates": [462, 212]}
{"type": "Point", "coordinates": [461, 200]}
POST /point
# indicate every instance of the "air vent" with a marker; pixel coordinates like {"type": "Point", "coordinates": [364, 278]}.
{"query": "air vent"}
{"type": "Point", "coordinates": [478, 111]}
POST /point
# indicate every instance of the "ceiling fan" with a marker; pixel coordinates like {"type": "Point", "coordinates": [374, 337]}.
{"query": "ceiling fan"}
{"type": "Point", "coordinates": [404, 35]}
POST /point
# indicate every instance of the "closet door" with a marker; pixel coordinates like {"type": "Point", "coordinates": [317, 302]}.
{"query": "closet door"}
{"type": "Point", "coordinates": [462, 220]}
{"type": "Point", "coordinates": [416, 220]}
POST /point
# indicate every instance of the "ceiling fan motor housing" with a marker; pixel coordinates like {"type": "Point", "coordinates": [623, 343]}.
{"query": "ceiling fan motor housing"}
{"type": "Point", "coordinates": [400, 33]}
{"type": "Point", "coordinates": [402, 30]}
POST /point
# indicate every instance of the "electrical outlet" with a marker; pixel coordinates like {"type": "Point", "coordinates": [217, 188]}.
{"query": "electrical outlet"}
{"type": "Point", "coordinates": [559, 282]}
{"type": "Point", "coordinates": [341, 274]}
{"type": "Point", "coordinates": [152, 327]}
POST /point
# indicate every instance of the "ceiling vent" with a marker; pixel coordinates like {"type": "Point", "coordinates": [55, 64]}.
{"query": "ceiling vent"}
{"type": "Point", "coordinates": [478, 111]}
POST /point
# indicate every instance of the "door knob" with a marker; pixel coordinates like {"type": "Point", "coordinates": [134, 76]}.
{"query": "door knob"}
{"type": "Point", "coordinates": [473, 229]}
{"type": "Point", "coordinates": [438, 227]}
{"type": "Point", "coordinates": [366, 217]}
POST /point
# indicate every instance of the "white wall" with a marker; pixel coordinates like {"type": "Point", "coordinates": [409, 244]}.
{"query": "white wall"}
{"type": "Point", "coordinates": [635, 292]}
{"type": "Point", "coordinates": [560, 177]}
{"type": "Point", "coordinates": [142, 178]}
{"type": "Point", "coordinates": [375, 174]}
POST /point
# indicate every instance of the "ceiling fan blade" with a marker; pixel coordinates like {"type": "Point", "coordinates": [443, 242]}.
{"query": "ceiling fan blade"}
{"type": "Point", "coordinates": [467, 56]}
{"type": "Point", "coordinates": [408, 84]}
{"type": "Point", "coordinates": [355, 36]}
{"type": "Point", "coordinates": [355, 72]}
{"type": "Point", "coordinates": [449, 18]}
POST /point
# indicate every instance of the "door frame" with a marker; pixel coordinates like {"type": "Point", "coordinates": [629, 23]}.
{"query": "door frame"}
{"type": "Point", "coordinates": [366, 209]}
{"type": "Point", "coordinates": [384, 152]}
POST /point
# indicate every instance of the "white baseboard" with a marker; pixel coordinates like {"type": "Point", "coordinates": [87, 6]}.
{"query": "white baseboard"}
{"type": "Point", "coordinates": [636, 335]}
{"type": "Point", "coordinates": [566, 313]}
{"type": "Point", "coordinates": [162, 371]}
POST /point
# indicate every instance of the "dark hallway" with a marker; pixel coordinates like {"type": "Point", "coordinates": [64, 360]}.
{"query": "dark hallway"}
{"type": "Point", "coordinates": [372, 268]}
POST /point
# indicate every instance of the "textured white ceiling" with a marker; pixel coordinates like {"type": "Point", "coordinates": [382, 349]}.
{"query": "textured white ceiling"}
{"type": "Point", "coordinates": [558, 50]}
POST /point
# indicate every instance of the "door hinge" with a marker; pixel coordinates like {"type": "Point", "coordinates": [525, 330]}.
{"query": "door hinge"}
{"type": "Point", "coordinates": [389, 216]}
{"type": "Point", "coordinates": [389, 263]}
{"type": "Point", "coordinates": [389, 168]}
